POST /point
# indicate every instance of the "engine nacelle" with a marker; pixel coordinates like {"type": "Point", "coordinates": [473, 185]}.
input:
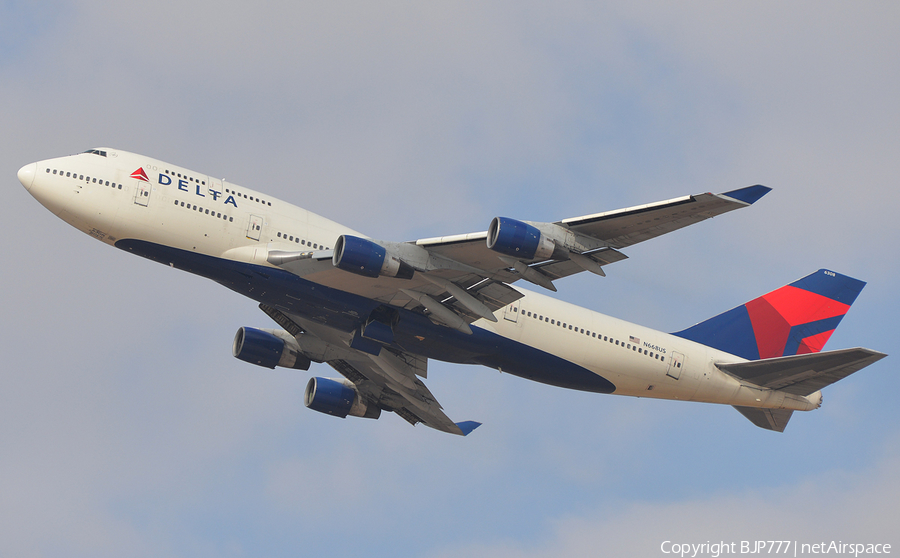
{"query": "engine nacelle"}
{"type": "Point", "coordinates": [519, 240]}
{"type": "Point", "coordinates": [337, 397]}
{"type": "Point", "coordinates": [367, 258]}
{"type": "Point", "coordinates": [264, 348]}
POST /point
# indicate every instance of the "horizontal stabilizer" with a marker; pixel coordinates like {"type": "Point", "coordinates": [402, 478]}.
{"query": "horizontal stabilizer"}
{"type": "Point", "coordinates": [770, 419]}
{"type": "Point", "coordinates": [802, 374]}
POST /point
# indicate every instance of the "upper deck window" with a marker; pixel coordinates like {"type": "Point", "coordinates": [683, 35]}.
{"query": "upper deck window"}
{"type": "Point", "coordinates": [96, 152]}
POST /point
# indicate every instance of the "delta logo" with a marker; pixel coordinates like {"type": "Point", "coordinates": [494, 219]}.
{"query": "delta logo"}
{"type": "Point", "coordinates": [140, 175]}
{"type": "Point", "coordinates": [184, 186]}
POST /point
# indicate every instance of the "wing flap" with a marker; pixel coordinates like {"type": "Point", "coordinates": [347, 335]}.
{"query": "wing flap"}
{"type": "Point", "coordinates": [803, 374]}
{"type": "Point", "coordinates": [563, 268]}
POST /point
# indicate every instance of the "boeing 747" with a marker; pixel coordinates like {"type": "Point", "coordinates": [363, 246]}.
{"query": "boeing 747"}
{"type": "Point", "coordinates": [376, 311]}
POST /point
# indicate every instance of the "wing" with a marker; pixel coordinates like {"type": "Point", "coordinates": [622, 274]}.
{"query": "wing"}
{"type": "Point", "coordinates": [386, 379]}
{"type": "Point", "coordinates": [456, 280]}
{"type": "Point", "coordinates": [625, 227]}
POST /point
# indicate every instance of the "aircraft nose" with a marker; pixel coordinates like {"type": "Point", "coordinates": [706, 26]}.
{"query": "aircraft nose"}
{"type": "Point", "coordinates": [26, 175]}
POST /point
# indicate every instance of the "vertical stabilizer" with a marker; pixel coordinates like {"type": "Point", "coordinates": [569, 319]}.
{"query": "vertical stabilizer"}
{"type": "Point", "coordinates": [795, 319]}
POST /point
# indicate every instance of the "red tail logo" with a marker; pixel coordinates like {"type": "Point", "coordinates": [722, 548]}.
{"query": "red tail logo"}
{"type": "Point", "coordinates": [140, 175]}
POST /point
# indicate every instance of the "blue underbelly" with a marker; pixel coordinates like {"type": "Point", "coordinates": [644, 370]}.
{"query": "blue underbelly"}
{"type": "Point", "coordinates": [413, 332]}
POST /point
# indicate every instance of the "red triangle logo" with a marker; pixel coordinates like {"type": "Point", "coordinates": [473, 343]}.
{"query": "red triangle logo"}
{"type": "Point", "coordinates": [140, 175]}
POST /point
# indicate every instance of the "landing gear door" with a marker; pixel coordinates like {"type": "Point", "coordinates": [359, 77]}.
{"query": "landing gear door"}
{"type": "Point", "coordinates": [675, 365]}
{"type": "Point", "coordinates": [254, 227]}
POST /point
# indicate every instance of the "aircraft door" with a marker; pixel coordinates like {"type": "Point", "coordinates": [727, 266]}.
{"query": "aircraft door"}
{"type": "Point", "coordinates": [142, 191]}
{"type": "Point", "coordinates": [675, 365]}
{"type": "Point", "coordinates": [215, 185]}
{"type": "Point", "coordinates": [254, 228]}
{"type": "Point", "coordinates": [511, 312]}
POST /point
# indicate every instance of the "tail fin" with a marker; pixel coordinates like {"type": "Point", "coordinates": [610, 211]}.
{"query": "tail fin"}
{"type": "Point", "coordinates": [795, 319]}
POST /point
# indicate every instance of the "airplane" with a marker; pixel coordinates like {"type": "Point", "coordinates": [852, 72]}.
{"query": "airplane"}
{"type": "Point", "coordinates": [377, 311]}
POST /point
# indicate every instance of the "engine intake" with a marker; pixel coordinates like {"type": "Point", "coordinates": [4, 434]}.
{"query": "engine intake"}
{"type": "Point", "coordinates": [519, 240]}
{"type": "Point", "coordinates": [339, 398]}
{"type": "Point", "coordinates": [367, 258]}
{"type": "Point", "coordinates": [264, 348]}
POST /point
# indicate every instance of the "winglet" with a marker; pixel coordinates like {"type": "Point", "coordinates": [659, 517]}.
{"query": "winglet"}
{"type": "Point", "coordinates": [750, 194]}
{"type": "Point", "coordinates": [468, 426]}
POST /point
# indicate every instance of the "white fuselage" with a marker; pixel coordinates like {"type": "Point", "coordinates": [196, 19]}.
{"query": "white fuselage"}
{"type": "Point", "coordinates": [99, 194]}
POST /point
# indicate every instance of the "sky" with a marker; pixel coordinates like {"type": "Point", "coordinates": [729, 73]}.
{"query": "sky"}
{"type": "Point", "coordinates": [127, 429]}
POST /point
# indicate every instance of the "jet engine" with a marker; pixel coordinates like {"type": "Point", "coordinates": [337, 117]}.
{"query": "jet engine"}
{"type": "Point", "coordinates": [339, 398]}
{"type": "Point", "coordinates": [367, 258]}
{"type": "Point", "coordinates": [519, 240]}
{"type": "Point", "coordinates": [265, 348]}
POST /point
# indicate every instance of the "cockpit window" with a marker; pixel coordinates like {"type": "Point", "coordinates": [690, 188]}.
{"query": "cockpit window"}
{"type": "Point", "coordinates": [96, 152]}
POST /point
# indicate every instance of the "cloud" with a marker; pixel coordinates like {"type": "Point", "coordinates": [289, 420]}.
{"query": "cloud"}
{"type": "Point", "coordinates": [834, 506]}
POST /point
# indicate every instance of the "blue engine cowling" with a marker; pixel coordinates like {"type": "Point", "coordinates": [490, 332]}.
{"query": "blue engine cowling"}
{"type": "Point", "coordinates": [367, 258]}
{"type": "Point", "coordinates": [337, 398]}
{"type": "Point", "coordinates": [265, 349]}
{"type": "Point", "coordinates": [519, 240]}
